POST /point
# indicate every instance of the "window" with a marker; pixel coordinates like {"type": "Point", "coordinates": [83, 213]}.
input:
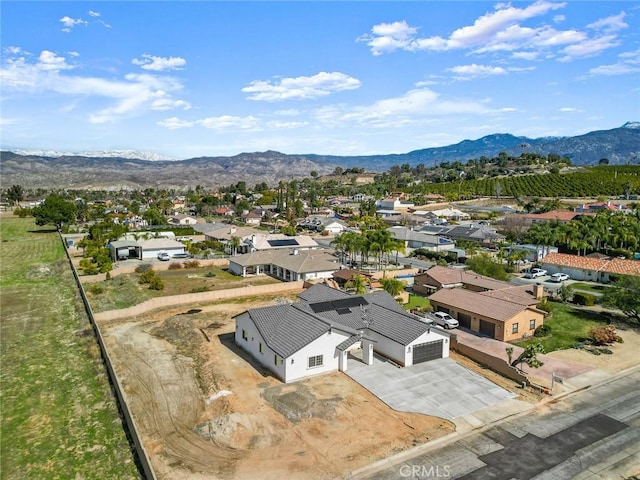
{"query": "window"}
{"type": "Point", "coordinates": [532, 324]}
{"type": "Point", "coordinates": [277, 360]}
{"type": "Point", "coordinates": [245, 335]}
{"type": "Point", "coordinates": [514, 328]}
{"type": "Point", "coordinates": [261, 348]}
{"type": "Point", "coordinates": [315, 361]}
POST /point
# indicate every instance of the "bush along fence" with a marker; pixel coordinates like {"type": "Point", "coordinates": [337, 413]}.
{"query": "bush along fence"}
{"type": "Point", "coordinates": [139, 453]}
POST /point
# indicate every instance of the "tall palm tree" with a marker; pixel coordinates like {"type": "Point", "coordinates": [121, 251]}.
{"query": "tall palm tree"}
{"type": "Point", "coordinates": [358, 283]}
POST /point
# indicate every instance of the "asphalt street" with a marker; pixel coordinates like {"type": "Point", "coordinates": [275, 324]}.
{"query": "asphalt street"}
{"type": "Point", "coordinates": [591, 434]}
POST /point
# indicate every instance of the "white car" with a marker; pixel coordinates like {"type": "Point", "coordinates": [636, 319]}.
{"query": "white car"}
{"type": "Point", "coordinates": [559, 277]}
{"type": "Point", "coordinates": [535, 273]}
{"type": "Point", "coordinates": [164, 257]}
{"type": "Point", "coordinates": [445, 320]}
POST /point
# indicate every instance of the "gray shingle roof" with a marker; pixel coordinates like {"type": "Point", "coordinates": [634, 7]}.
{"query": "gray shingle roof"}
{"type": "Point", "coordinates": [322, 293]}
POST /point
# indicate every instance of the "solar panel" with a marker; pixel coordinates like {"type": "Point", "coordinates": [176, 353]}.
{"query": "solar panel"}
{"type": "Point", "coordinates": [285, 242]}
{"type": "Point", "coordinates": [344, 303]}
{"type": "Point", "coordinates": [343, 311]}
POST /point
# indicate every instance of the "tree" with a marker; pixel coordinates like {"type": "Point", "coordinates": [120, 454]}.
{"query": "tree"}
{"type": "Point", "coordinates": [529, 356]}
{"type": "Point", "coordinates": [565, 292]}
{"type": "Point", "coordinates": [357, 283]}
{"type": "Point", "coordinates": [484, 265]}
{"type": "Point", "coordinates": [392, 286]}
{"type": "Point", "coordinates": [235, 243]}
{"type": "Point", "coordinates": [625, 295]}
{"type": "Point", "coordinates": [55, 210]}
{"type": "Point", "coordinates": [15, 194]}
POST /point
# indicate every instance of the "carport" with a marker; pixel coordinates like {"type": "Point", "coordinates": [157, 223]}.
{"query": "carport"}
{"type": "Point", "coordinates": [440, 388]}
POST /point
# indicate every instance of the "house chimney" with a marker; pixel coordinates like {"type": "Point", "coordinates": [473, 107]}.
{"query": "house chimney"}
{"type": "Point", "coordinates": [538, 291]}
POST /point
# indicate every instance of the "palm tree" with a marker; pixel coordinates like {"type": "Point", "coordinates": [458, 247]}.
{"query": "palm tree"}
{"type": "Point", "coordinates": [235, 243]}
{"type": "Point", "coordinates": [358, 283]}
{"type": "Point", "coordinates": [392, 286]}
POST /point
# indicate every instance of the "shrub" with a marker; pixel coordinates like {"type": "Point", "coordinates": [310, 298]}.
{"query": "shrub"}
{"type": "Point", "coordinates": [88, 267]}
{"type": "Point", "coordinates": [545, 306]}
{"type": "Point", "coordinates": [145, 267]}
{"type": "Point", "coordinates": [147, 276]}
{"type": "Point", "coordinates": [192, 264]}
{"type": "Point", "coordinates": [201, 289]}
{"type": "Point", "coordinates": [156, 283]}
{"type": "Point", "coordinates": [604, 335]}
{"type": "Point", "coordinates": [542, 331]}
{"type": "Point", "coordinates": [584, 299]}
{"type": "Point", "coordinates": [175, 266]}
{"type": "Point", "coordinates": [95, 289]}
{"type": "Point", "coordinates": [210, 274]}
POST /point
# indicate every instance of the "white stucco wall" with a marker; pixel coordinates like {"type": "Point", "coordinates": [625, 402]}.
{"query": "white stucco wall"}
{"type": "Point", "coordinates": [153, 253]}
{"type": "Point", "coordinates": [298, 364]}
{"type": "Point", "coordinates": [294, 367]}
{"type": "Point", "coordinates": [387, 347]}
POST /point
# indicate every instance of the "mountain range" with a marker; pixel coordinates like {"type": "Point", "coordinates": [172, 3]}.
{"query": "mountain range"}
{"type": "Point", "coordinates": [120, 170]}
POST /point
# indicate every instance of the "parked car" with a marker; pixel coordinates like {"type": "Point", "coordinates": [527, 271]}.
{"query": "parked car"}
{"type": "Point", "coordinates": [535, 273]}
{"type": "Point", "coordinates": [181, 255]}
{"type": "Point", "coordinates": [164, 257]}
{"type": "Point", "coordinates": [445, 320]}
{"type": "Point", "coordinates": [559, 277]}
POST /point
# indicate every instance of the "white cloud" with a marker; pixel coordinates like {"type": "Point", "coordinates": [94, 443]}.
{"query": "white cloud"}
{"type": "Point", "coordinates": [68, 23]}
{"type": "Point", "coordinates": [133, 95]}
{"type": "Point", "coordinates": [589, 48]}
{"type": "Point", "coordinates": [301, 88]}
{"type": "Point", "coordinates": [610, 24]}
{"type": "Point", "coordinates": [559, 18]}
{"type": "Point", "coordinates": [475, 71]}
{"type": "Point", "coordinates": [159, 64]}
{"type": "Point", "coordinates": [93, 14]}
{"type": "Point", "coordinates": [629, 63]}
{"type": "Point", "coordinates": [278, 125]}
{"type": "Point", "coordinates": [175, 123]}
{"type": "Point", "coordinates": [567, 109]}
{"type": "Point", "coordinates": [417, 106]}
{"type": "Point", "coordinates": [229, 123]}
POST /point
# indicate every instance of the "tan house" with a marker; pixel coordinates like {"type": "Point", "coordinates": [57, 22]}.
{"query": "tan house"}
{"type": "Point", "coordinates": [482, 304]}
{"type": "Point", "coordinates": [589, 268]}
{"type": "Point", "coordinates": [500, 314]}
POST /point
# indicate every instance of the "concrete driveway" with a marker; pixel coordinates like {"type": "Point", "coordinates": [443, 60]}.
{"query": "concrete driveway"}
{"type": "Point", "coordinates": [440, 388]}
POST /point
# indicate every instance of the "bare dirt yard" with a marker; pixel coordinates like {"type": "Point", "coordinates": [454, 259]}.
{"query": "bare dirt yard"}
{"type": "Point", "coordinates": [206, 411]}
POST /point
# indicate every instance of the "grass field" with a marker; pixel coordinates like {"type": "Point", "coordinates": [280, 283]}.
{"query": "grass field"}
{"type": "Point", "coordinates": [588, 287]}
{"type": "Point", "coordinates": [417, 301]}
{"type": "Point", "coordinates": [568, 325]}
{"type": "Point", "coordinates": [59, 419]}
{"type": "Point", "coordinates": [124, 290]}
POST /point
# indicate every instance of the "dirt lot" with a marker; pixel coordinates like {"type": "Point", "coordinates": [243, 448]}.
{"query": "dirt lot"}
{"type": "Point", "coordinates": [205, 411]}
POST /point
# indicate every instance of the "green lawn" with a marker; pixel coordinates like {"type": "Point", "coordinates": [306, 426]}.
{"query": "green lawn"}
{"type": "Point", "coordinates": [568, 325]}
{"type": "Point", "coordinates": [588, 287]}
{"type": "Point", "coordinates": [58, 416]}
{"type": "Point", "coordinates": [416, 301]}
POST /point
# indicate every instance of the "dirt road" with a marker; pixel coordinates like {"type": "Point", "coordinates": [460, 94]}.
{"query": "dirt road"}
{"type": "Point", "coordinates": [205, 411]}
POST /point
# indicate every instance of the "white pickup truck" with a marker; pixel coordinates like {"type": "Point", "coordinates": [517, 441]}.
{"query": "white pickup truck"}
{"type": "Point", "coordinates": [443, 319]}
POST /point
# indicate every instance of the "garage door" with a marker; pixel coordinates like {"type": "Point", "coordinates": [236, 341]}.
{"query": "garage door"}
{"type": "Point", "coordinates": [427, 351]}
{"type": "Point", "coordinates": [464, 320]}
{"type": "Point", "coordinates": [488, 328]}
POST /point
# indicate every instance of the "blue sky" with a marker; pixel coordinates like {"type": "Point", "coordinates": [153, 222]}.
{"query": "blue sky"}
{"type": "Point", "coordinates": [186, 79]}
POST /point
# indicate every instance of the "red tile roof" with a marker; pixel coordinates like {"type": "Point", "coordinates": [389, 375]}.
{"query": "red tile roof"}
{"type": "Point", "coordinates": [615, 265]}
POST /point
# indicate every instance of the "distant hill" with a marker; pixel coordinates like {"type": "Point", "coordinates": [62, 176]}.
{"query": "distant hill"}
{"type": "Point", "coordinates": [619, 146]}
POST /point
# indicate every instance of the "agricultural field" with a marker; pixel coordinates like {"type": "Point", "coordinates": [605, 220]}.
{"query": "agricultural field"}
{"type": "Point", "coordinates": [59, 419]}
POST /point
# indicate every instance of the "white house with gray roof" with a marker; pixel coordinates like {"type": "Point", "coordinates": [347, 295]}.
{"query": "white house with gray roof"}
{"type": "Point", "coordinates": [287, 265]}
{"type": "Point", "coordinates": [314, 335]}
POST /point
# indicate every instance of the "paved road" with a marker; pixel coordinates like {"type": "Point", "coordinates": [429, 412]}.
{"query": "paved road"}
{"type": "Point", "coordinates": [592, 434]}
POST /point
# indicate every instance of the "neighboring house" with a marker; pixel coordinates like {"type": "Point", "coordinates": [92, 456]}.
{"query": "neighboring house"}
{"type": "Point", "coordinates": [345, 275]}
{"type": "Point", "coordinates": [252, 218]}
{"type": "Point", "coordinates": [182, 220]}
{"type": "Point", "coordinates": [286, 265]}
{"type": "Point", "coordinates": [275, 241]}
{"type": "Point", "coordinates": [482, 304]}
{"type": "Point", "coordinates": [393, 203]}
{"type": "Point", "coordinates": [562, 216]}
{"type": "Point", "coordinates": [481, 234]}
{"type": "Point", "coordinates": [439, 277]}
{"type": "Point", "coordinates": [417, 239]}
{"type": "Point", "coordinates": [321, 224]}
{"type": "Point", "coordinates": [314, 335]}
{"type": "Point", "coordinates": [601, 206]}
{"type": "Point", "coordinates": [153, 246]}
{"type": "Point", "coordinates": [506, 315]}
{"type": "Point", "coordinates": [451, 214]}
{"type": "Point", "coordinates": [589, 268]}
{"type": "Point", "coordinates": [535, 253]}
